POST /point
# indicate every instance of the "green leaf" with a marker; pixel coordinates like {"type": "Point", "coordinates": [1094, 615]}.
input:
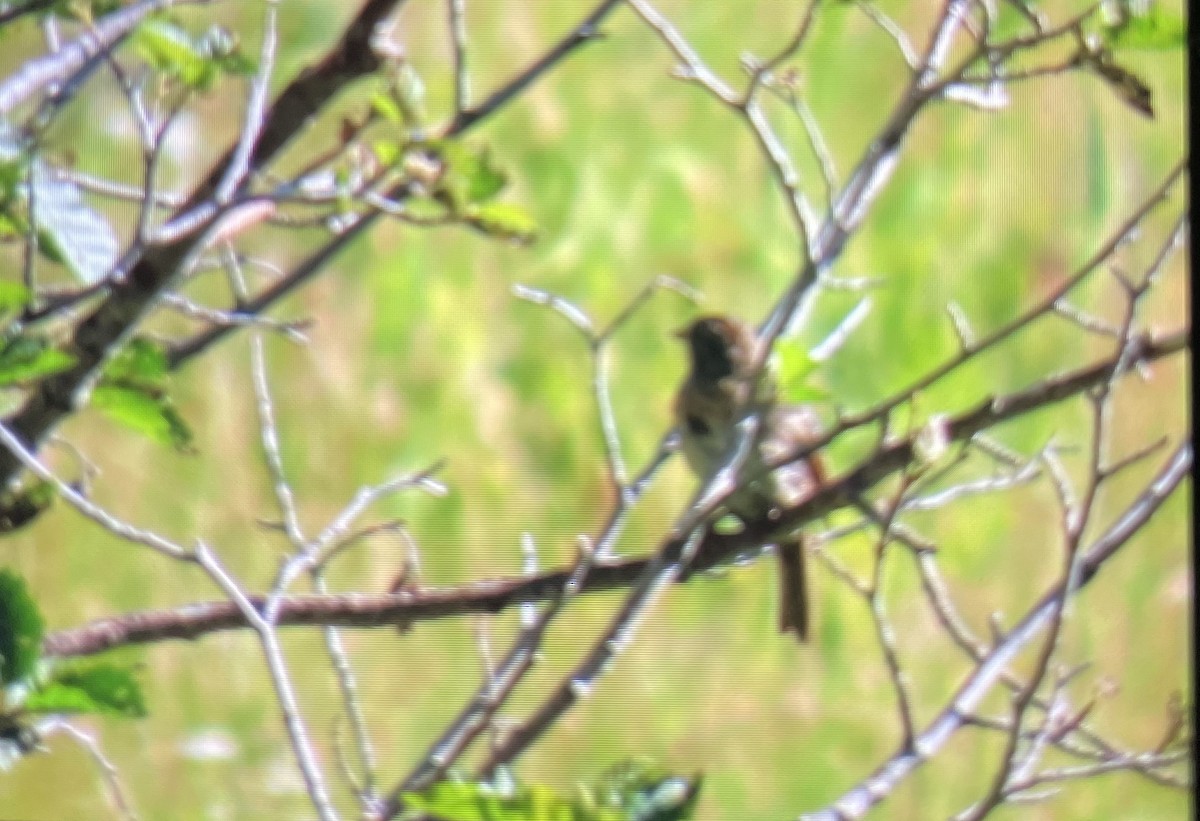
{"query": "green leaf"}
{"type": "Point", "coordinates": [51, 248]}
{"type": "Point", "coordinates": [808, 393]}
{"type": "Point", "coordinates": [133, 393]}
{"type": "Point", "coordinates": [70, 232]}
{"type": "Point", "coordinates": [644, 792]}
{"type": "Point", "coordinates": [143, 409]}
{"type": "Point", "coordinates": [170, 49]}
{"type": "Point", "coordinates": [485, 181]}
{"type": "Point", "coordinates": [673, 798]}
{"type": "Point", "coordinates": [407, 90]}
{"type": "Point", "coordinates": [103, 689]}
{"type": "Point", "coordinates": [12, 225]}
{"type": "Point", "coordinates": [14, 166]}
{"type": "Point", "coordinates": [796, 372]}
{"type": "Point", "coordinates": [103, 7]}
{"type": "Point", "coordinates": [727, 524]}
{"type": "Point", "coordinates": [470, 177]}
{"type": "Point", "coordinates": [1148, 28]}
{"type": "Point", "coordinates": [19, 507]}
{"type": "Point", "coordinates": [13, 296]}
{"type": "Point", "coordinates": [21, 629]}
{"type": "Point", "coordinates": [142, 362]}
{"type": "Point", "coordinates": [197, 62]}
{"type": "Point", "coordinates": [27, 358]}
{"type": "Point", "coordinates": [462, 801]}
{"type": "Point", "coordinates": [386, 106]}
{"type": "Point", "coordinates": [220, 45]}
{"type": "Point", "coordinates": [387, 151]}
{"type": "Point", "coordinates": [502, 219]}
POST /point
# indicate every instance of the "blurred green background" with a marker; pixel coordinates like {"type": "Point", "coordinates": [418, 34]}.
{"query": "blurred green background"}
{"type": "Point", "coordinates": [419, 351]}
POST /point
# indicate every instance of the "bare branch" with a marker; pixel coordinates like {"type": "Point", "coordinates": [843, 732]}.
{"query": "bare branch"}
{"type": "Point", "coordinates": [583, 33]}
{"type": "Point", "coordinates": [238, 166]}
{"type": "Point", "coordinates": [108, 770]}
{"type": "Point", "coordinates": [362, 610]}
{"type": "Point", "coordinates": [858, 800]}
{"type": "Point", "coordinates": [114, 525]}
{"type": "Point", "coordinates": [281, 679]}
{"type": "Point", "coordinates": [40, 72]}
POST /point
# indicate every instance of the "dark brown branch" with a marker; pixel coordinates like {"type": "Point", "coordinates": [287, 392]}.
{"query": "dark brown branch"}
{"type": "Point", "coordinates": [495, 595]}
{"type": "Point", "coordinates": [361, 609]}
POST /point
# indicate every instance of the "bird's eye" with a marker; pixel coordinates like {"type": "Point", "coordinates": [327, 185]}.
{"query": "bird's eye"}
{"type": "Point", "coordinates": [697, 425]}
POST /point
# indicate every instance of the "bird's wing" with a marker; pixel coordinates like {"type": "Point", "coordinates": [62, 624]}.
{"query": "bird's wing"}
{"type": "Point", "coordinates": [789, 427]}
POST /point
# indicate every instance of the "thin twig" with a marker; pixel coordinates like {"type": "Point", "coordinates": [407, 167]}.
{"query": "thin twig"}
{"type": "Point", "coordinates": [857, 801]}
{"type": "Point", "coordinates": [236, 170]}
{"type": "Point", "coordinates": [457, 12]}
{"type": "Point", "coordinates": [114, 525]}
{"type": "Point", "coordinates": [108, 770]}
{"type": "Point", "coordinates": [285, 694]}
{"type": "Point", "coordinates": [583, 33]}
{"type": "Point", "coordinates": [34, 75]}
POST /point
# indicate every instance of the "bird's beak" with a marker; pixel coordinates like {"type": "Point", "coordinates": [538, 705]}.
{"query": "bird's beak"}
{"type": "Point", "coordinates": [682, 333]}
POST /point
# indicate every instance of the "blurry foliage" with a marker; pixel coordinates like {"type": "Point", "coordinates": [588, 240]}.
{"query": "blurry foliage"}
{"type": "Point", "coordinates": [615, 173]}
{"type": "Point", "coordinates": [29, 688]}
{"type": "Point", "coordinates": [631, 790]}
{"type": "Point", "coordinates": [69, 232]}
{"type": "Point", "coordinates": [133, 392]}
{"type": "Point", "coordinates": [196, 61]}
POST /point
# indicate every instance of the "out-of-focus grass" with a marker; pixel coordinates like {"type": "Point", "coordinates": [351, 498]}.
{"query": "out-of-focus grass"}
{"type": "Point", "coordinates": [420, 352]}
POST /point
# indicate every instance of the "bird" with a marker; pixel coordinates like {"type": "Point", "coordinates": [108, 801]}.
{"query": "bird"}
{"type": "Point", "coordinates": [720, 387]}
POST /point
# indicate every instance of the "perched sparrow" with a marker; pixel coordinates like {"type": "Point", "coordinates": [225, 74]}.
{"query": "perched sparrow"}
{"type": "Point", "coordinates": [717, 391]}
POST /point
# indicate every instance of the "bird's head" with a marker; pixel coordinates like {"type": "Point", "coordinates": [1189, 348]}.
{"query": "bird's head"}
{"type": "Point", "coordinates": [720, 347]}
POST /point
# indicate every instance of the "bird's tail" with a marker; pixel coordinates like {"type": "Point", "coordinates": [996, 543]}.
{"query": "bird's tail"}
{"type": "Point", "coordinates": [793, 589]}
